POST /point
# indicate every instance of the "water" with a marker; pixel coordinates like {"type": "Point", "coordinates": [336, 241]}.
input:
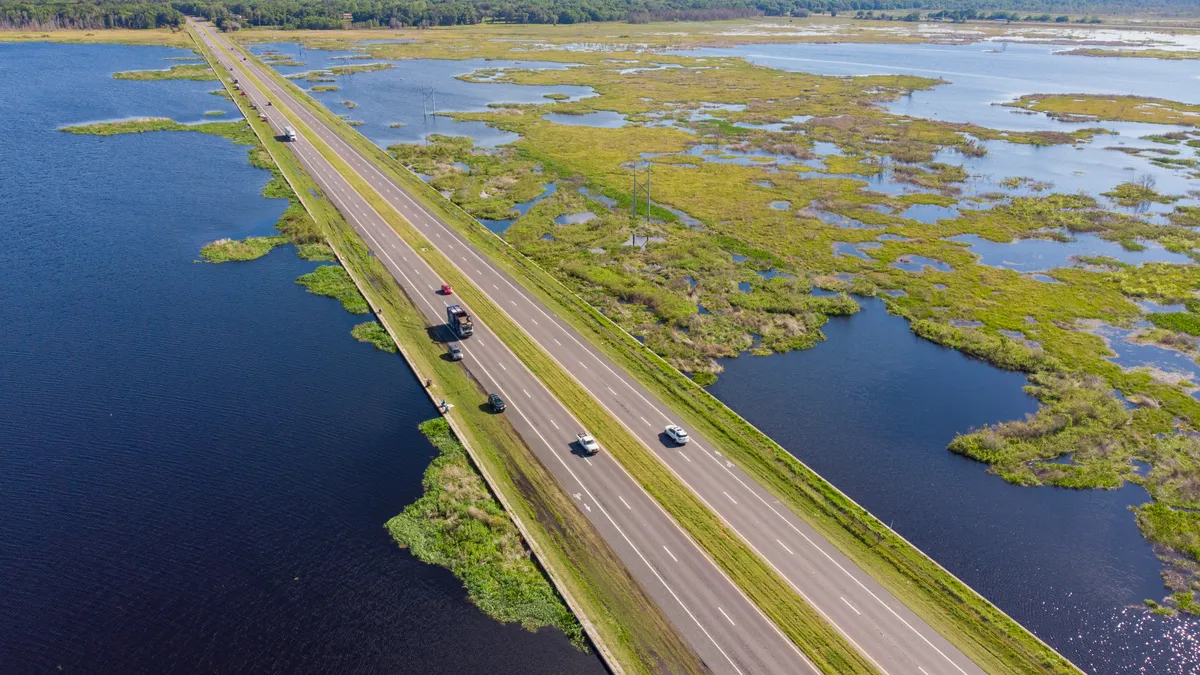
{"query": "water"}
{"type": "Point", "coordinates": [604, 119]}
{"type": "Point", "coordinates": [396, 94]}
{"type": "Point", "coordinates": [919, 263]}
{"type": "Point", "coordinates": [884, 404]}
{"type": "Point", "coordinates": [501, 226]}
{"type": "Point", "coordinates": [981, 78]}
{"type": "Point", "coordinates": [841, 248]}
{"type": "Point", "coordinates": [197, 459]}
{"type": "Point", "coordinates": [574, 218]}
{"type": "Point", "coordinates": [1040, 255]}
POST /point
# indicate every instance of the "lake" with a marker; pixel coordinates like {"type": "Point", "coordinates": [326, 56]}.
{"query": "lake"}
{"type": "Point", "coordinates": [873, 407]}
{"type": "Point", "coordinates": [196, 460]}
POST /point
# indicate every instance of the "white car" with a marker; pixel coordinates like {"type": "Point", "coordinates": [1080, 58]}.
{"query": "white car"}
{"type": "Point", "coordinates": [589, 444]}
{"type": "Point", "coordinates": [677, 434]}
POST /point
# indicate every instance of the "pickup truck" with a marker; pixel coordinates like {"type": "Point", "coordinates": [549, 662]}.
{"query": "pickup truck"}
{"type": "Point", "coordinates": [587, 443]}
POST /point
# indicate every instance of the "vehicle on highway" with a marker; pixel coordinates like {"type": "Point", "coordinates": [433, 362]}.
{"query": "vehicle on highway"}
{"type": "Point", "coordinates": [454, 351]}
{"type": "Point", "coordinates": [253, 106]}
{"type": "Point", "coordinates": [290, 133]}
{"type": "Point", "coordinates": [262, 116]}
{"type": "Point", "coordinates": [243, 93]}
{"type": "Point", "coordinates": [446, 290]}
{"type": "Point", "coordinates": [497, 403]}
{"type": "Point", "coordinates": [589, 444]}
{"type": "Point", "coordinates": [677, 434]}
{"type": "Point", "coordinates": [459, 321]}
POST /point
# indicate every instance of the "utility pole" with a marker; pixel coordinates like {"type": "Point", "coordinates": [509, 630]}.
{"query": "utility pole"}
{"type": "Point", "coordinates": [639, 188]}
{"type": "Point", "coordinates": [428, 101]}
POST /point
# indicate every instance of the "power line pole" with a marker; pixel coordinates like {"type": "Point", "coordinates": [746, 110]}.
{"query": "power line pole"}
{"type": "Point", "coordinates": [428, 101]}
{"type": "Point", "coordinates": [640, 188]}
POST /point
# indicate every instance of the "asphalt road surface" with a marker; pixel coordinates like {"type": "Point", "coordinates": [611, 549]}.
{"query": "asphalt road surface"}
{"type": "Point", "coordinates": [721, 624]}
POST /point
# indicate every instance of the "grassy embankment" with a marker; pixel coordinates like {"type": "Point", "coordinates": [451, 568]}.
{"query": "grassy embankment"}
{"type": "Point", "coordinates": [584, 567]}
{"type": "Point", "coordinates": [458, 525]}
{"type": "Point", "coordinates": [795, 617]}
{"type": "Point", "coordinates": [295, 225]}
{"type": "Point", "coordinates": [977, 627]}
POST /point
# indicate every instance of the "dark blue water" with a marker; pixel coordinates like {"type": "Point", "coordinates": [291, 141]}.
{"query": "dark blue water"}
{"type": "Point", "coordinates": [196, 461]}
{"type": "Point", "coordinates": [872, 409]}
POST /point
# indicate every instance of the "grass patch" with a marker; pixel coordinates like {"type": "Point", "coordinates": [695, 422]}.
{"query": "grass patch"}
{"type": "Point", "coordinates": [1083, 107]}
{"type": "Point", "coordinates": [1184, 322]}
{"type": "Point", "coordinates": [332, 281]}
{"type": "Point", "coordinates": [234, 250]}
{"type": "Point", "coordinates": [374, 333]}
{"type": "Point", "coordinates": [321, 88]}
{"type": "Point", "coordinates": [186, 71]}
{"type": "Point", "coordinates": [458, 525]}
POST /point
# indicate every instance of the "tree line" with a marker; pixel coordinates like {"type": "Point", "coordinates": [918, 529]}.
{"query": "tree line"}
{"type": "Point", "coordinates": [325, 14]}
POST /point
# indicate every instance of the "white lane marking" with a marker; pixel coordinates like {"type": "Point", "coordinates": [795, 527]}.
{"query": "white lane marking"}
{"type": "Point", "coordinates": [785, 547]}
{"type": "Point", "coordinates": [495, 287]}
{"type": "Point", "coordinates": [534, 321]}
{"type": "Point", "coordinates": [625, 502]}
{"type": "Point", "coordinates": [513, 303]}
{"type": "Point", "coordinates": [670, 554]}
{"type": "Point", "coordinates": [527, 394]}
{"type": "Point", "coordinates": [503, 366]}
{"type": "Point", "coordinates": [588, 461]}
{"type": "Point", "coordinates": [644, 420]}
{"type": "Point", "coordinates": [731, 623]}
{"type": "Point", "coordinates": [581, 362]}
{"type": "Point", "coordinates": [557, 342]}
{"type": "Point", "coordinates": [610, 390]}
{"type": "Point", "coordinates": [304, 114]}
{"type": "Point", "coordinates": [689, 459]}
{"type": "Point", "coordinates": [587, 507]}
{"type": "Point", "coordinates": [922, 670]}
{"type": "Point", "coordinates": [727, 495]}
{"type": "Point", "coordinates": [555, 424]}
{"type": "Point", "coordinates": [851, 606]}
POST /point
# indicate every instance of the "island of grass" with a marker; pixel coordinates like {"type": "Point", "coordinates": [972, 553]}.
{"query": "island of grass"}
{"type": "Point", "coordinates": [158, 37]}
{"type": "Point", "coordinates": [459, 525]}
{"type": "Point", "coordinates": [240, 250]}
{"type": "Point", "coordinates": [181, 72]}
{"type": "Point", "coordinates": [374, 333]}
{"type": "Point", "coordinates": [1165, 54]}
{"type": "Point", "coordinates": [1086, 107]}
{"type": "Point", "coordinates": [332, 281]}
{"type": "Point", "coordinates": [321, 88]}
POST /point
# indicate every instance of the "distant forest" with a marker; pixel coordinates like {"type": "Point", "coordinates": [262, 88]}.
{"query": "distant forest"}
{"type": "Point", "coordinates": [317, 14]}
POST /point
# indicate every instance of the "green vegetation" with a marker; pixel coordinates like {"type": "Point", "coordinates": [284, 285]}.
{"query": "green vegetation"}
{"type": "Point", "coordinates": [1167, 54]}
{"type": "Point", "coordinates": [374, 333]}
{"type": "Point", "coordinates": [1183, 322]}
{"type": "Point", "coordinates": [332, 281]}
{"type": "Point", "coordinates": [180, 72]}
{"type": "Point", "coordinates": [586, 570]}
{"type": "Point", "coordinates": [324, 87]}
{"type": "Point", "coordinates": [1084, 107]}
{"type": "Point", "coordinates": [1136, 193]}
{"type": "Point", "coordinates": [458, 525]}
{"type": "Point", "coordinates": [214, 113]}
{"type": "Point", "coordinates": [973, 624]}
{"type": "Point", "coordinates": [231, 250]}
{"type": "Point", "coordinates": [350, 104]}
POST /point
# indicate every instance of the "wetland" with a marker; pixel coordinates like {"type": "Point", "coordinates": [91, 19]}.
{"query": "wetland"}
{"type": "Point", "coordinates": [811, 207]}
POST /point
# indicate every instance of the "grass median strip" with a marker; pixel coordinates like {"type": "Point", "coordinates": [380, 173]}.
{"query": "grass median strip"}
{"type": "Point", "coordinates": [798, 620]}
{"type": "Point", "coordinates": [988, 636]}
{"type": "Point", "coordinates": [630, 627]}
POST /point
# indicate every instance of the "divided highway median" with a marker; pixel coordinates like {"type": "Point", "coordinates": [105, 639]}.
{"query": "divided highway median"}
{"type": "Point", "coordinates": [624, 623]}
{"type": "Point", "coordinates": [798, 620]}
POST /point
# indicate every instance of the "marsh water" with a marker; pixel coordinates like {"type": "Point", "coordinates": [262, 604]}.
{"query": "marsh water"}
{"type": "Point", "coordinates": [196, 461]}
{"type": "Point", "coordinates": [873, 407]}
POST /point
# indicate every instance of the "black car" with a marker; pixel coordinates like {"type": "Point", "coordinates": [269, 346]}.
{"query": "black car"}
{"type": "Point", "coordinates": [454, 351]}
{"type": "Point", "coordinates": [497, 403]}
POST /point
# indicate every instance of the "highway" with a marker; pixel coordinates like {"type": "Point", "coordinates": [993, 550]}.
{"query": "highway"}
{"type": "Point", "coordinates": [721, 624]}
{"type": "Point", "coordinates": [885, 631]}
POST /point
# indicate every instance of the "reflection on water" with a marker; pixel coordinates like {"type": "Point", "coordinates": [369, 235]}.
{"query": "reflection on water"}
{"type": "Point", "coordinates": [881, 406]}
{"type": "Point", "coordinates": [1040, 255]}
